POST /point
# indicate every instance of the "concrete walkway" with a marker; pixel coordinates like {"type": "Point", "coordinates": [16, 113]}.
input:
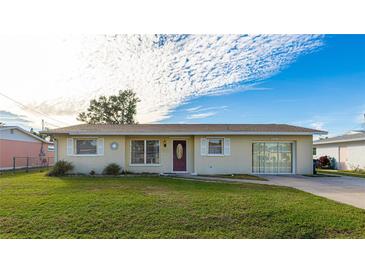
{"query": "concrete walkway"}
{"type": "Point", "coordinates": [344, 189]}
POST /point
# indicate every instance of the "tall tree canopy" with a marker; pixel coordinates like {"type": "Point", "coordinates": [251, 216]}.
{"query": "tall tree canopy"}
{"type": "Point", "coordinates": [115, 109]}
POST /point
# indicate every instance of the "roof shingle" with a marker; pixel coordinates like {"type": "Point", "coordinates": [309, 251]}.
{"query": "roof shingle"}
{"type": "Point", "coordinates": [160, 129]}
{"type": "Point", "coordinates": [342, 138]}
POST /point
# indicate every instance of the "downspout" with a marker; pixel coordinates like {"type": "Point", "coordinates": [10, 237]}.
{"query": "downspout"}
{"type": "Point", "coordinates": [55, 150]}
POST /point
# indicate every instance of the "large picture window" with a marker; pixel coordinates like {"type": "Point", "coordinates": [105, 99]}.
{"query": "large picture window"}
{"type": "Point", "coordinates": [86, 146]}
{"type": "Point", "coordinates": [272, 157]}
{"type": "Point", "coordinates": [215, 146]}
{"type": "Point", "coordinates": [145, 152]}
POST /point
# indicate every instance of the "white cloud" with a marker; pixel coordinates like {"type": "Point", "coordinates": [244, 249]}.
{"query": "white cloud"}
{"type": "Point", "coordinates": [200, 112]}
{"type": "Point", "coordinates": [200, 108]}
{"type": "Point", "coordinates": [317, 125]}
{"type": "Point", "coordinates": [316, 122]}
{"type": "Point", "coordinates": [193, 109]}
{"type": "Point", "coordinates": [58, 76]}
{"type": "Point", "coordinates": [201, 115]}
{"type": "Point", "coordinates": [360, 118]}
{"type": "Point", "coordinates": [10, 118]}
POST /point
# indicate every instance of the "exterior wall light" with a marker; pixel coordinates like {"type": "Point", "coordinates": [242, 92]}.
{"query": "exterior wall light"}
{"type": "Point", "coordinates": [114, 146]}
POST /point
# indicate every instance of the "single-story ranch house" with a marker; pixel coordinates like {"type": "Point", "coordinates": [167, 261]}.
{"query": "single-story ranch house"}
{"type": "Point", "coordinates": [188, 148]}
{"type": "Point", "coordinates": [348, 150]}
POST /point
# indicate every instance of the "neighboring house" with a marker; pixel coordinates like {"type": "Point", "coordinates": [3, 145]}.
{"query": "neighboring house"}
{"type": "Point", "coordinates": [348, 150]}
{"type": "Point", "coordinates": [19, 143]}
{"type": "Point", "coordinates": [188, 148]}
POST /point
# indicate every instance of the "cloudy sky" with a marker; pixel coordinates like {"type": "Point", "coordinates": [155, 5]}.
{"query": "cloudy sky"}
{"type": "Point", "coordinates": [309, 80]}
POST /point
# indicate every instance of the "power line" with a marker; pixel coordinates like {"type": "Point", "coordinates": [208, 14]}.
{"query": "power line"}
{"type": "Point", "coordinates": [48, 123]}
{"type": "Point", "coordinates": [30, 109]}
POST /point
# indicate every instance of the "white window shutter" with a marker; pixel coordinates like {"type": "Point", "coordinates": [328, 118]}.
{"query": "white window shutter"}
{"type": "Point", "coordinates": [70, 146]}
{"type": "Point", "coordinates": [227, 146]}
{"type": "Point", "coordinates": [203, 146]}
{"type": "Point", "coordinates": [100, 146]}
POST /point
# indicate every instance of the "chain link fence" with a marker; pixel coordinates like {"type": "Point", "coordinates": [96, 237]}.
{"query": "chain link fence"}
{"type": "Point", "coordinates": [27, 163]}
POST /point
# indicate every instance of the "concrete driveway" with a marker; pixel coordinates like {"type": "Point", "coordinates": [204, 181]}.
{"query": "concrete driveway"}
{"type": "Point", "coordinates": [344, 189]}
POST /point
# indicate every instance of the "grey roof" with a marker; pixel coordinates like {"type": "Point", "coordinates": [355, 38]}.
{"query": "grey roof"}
{"type": "Point", "coordinates": [184, 129]}
{"type": "Point", "coordinates": [342, 138]}
{"type": "Point", "coordinates": [25, 132]}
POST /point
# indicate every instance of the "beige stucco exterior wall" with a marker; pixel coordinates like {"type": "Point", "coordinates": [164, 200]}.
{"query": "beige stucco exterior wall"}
{"type": "Point", "coordinates": [84, 164]}
{"type": "Point", "coordinates": [239, 161]}
{"type": "Point", "coordinates": [304, 155]}
{"type": "Point", "coordinates": [165, 165]}
{"type": "Point", "coordinates": [121, 156]}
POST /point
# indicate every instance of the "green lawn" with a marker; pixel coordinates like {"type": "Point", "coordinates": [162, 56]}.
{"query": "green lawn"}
{"type": "Point", "coordinates": [237, 176]}
{"type": "Point", "coordinates": [35, 206]}
{"type": "Point", "coordinates": [341, 172]}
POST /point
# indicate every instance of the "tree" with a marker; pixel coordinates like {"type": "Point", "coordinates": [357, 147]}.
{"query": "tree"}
{"type": "Point", "coordinates": [41, 135]}
{"type": "Point", "coordinates": [115, 109]}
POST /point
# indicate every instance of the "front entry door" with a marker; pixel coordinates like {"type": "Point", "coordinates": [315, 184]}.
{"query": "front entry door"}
{"type": "Point", "coordinates": [179, 155]}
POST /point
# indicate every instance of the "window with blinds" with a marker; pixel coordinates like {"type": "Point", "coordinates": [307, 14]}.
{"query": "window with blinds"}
{"type": "Point", "coordinates": [272, 157]}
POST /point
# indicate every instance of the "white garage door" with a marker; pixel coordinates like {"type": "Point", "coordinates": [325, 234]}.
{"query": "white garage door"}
{"type": "Point", "coordinates": [272, 157]}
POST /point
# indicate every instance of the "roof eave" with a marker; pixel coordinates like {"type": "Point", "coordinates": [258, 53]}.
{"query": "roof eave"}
{"type": "Point", "coordinates": [337, 141]}
{"type": "Point", "coordinates": [79, 133]}
{"type": "Point", "coordinates": [30, 134]}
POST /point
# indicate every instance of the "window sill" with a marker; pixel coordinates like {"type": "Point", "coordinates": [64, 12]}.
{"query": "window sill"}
{"type": "Point", "coordinates": [215, 155]}
{"type": "Point", "coordinates": [86, 155]}
{"type": "Point", "coordinates": [145, 165]}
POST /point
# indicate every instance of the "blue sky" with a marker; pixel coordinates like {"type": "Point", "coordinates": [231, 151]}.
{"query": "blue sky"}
{"type": "Point", "coordinates": [323, 89]}
{"type": "Point", "coordinates": [314, 81]}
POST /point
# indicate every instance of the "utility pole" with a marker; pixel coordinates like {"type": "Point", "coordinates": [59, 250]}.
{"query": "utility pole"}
{"type": "Point", "coordinates": [42, 124]}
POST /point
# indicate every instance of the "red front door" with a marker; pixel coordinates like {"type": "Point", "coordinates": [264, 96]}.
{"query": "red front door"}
{"type": "Point", "coordinates": [179, 155]}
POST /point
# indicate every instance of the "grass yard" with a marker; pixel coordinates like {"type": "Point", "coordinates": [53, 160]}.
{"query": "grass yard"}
{"type": "Point", "coordinates": [35, 206]}
{"type": "Point", "coordinates": [237, 176]}
{"type": "Point", "coordinates": [341, 172]}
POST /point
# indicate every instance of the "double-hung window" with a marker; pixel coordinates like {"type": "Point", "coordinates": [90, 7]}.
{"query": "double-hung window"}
{"type": "Point", "coordinates": [86, 146]}
{"type": "Point", "coordinates": [215, 146]}
{"type": "Point", "coordinates": [145, 152]}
